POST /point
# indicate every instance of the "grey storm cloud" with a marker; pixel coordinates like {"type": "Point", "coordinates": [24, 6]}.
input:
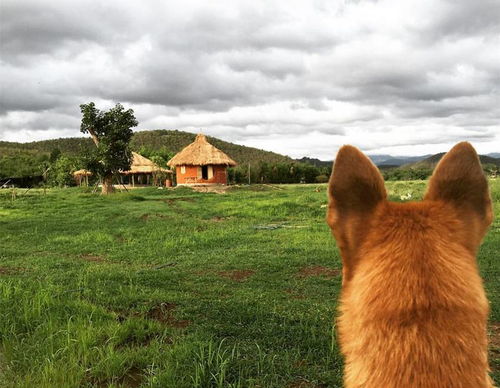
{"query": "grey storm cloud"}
{"type": "Point", "coordinates": [464, 19]}
{"type": "Point", "coordinates": [287, 76]}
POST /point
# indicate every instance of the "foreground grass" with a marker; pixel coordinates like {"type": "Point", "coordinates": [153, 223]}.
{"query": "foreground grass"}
{"type": "Point", "coordinates": [174, 288]}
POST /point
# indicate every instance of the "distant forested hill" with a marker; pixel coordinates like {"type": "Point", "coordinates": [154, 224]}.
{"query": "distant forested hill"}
{"type": "Point", "coordinates": [69, 146]}
{"type": "Point", "coordinates": [170, 141]}
{"type": "Point", "coordinates": [30, 159]}
{"type": "Point", "coordinates": [315, 162]}
{"type": "Point", "coordinates": [433, 160]}
{"type": "Point", "coordinates": [174, 141]}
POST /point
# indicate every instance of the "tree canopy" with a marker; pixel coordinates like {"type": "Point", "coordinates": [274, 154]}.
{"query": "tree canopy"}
{"type": "Point", "coordinates": [111, 132]}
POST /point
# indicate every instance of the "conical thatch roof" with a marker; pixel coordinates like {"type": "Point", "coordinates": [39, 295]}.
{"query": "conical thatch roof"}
{"type": "Point", "coordinates": [140, 164]}
{"type": "Point", "coordinates": [200, 153]}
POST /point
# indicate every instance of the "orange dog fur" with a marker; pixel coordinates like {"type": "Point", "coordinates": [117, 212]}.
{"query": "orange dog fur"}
{"type": "Point", "coordinates": [413, 310]}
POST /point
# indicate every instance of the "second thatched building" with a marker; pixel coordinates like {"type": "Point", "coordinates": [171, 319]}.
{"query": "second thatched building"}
{"type": "Point", "coordinates": [200, 163]}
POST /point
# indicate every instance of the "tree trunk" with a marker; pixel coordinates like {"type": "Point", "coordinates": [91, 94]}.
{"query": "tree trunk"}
{"type": "Point", "coordinates": [107, 185]}
{"type": "Point", "coordinates": [94, 137]}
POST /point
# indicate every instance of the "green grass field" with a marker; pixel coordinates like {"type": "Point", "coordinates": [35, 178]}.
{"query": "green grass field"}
{"type": "Point", "coordinates": [173, 288]}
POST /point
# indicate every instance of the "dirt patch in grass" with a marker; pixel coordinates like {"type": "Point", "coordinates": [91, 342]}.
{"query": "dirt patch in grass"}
{"type": "Point", "coordinates": [121, 239]}
{"type": "Point", "coordinates": [92, 258]}
{"type": "Point", "coordinates": [134, 341]}
{"type": "Point", "coordinates": [300, 364]}
{"type": "Point", "coordinates": [147, 216]}
{"type": "Point", "coordinates": [301, 383]}
{"type": "Point", "coordinates": [11, 270]}
{"type": "Point", "coordinates": [318, 270]}
{"type": "Point", "coordinates": [293, 294]}
{"type": "Point", "coordinates": [164, 313]}
{"type": "Point", "coordinates": [218, 219]}
{"type": "Point", "coordinates": [238, 275]}
{"type": "Point", "coordinates": [132, 378]}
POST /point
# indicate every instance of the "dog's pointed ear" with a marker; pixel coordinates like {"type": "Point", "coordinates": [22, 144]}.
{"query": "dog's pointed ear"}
{"type": "Point", "coordinates": [355, 189]}
{"type": "Point", "coordinates": [356, 184]}
{"type": "Point", "coordinates": [459, 180]}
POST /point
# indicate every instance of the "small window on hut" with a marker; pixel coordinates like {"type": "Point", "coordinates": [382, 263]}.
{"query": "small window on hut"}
{"type": "Point", "coordinates": [183, 169]}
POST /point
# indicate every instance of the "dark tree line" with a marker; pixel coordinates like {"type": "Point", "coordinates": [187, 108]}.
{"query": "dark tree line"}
{"type": "Point", "coordinates": [406, 174]}
{"type": "Point", "coordinates": [278, 173]}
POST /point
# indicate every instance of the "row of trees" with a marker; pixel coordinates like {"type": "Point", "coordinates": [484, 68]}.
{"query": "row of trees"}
{"type": "Point", "coordinates": [29, 169]}
{"type": "Point", "coordinates": [406, 174]}
{"type": "Point", "coordinates": [57, 169]}
{"type": "Point", "coordinates": [409, 174]}
{"type": "Point", "coordinates": [278, 173]}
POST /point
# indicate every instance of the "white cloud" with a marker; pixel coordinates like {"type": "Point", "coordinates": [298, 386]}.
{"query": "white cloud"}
{"type": "Point", "coordinates": [301, 78]}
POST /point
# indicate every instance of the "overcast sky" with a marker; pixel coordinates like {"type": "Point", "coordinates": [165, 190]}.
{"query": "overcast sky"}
{"type": "Point", "coordinates": [296, 77]}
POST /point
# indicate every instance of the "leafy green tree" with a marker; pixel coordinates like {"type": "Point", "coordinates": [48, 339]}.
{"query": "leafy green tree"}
{"type": "Point", "coordinates": [264, 171]}
{"type": "Point", "coordinates": [237, 175]}
{"type": "Point", "coordinates": [111, 132]}
{"type": "Point", "coordinates": [165, 153]}
{"type": "Point", "coordinates": [491, 170]}
{"type": "Point", "coordinates": [159, 176]}
{"type": "Point", "coordinates": [54, 155]}
{"type": "Point", "coordinates": [401, 174]}
{"type": "Point", "coordinates": [60, 173]}
{"type": "Point", "coordinates": [145, 151]}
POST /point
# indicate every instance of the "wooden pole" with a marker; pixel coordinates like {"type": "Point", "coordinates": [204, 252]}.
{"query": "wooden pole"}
{"type": "Point", "coordinates": [249, 173]}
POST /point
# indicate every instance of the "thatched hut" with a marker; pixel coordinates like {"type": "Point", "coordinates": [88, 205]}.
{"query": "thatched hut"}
{"type": "Point", "coordinates": [142, 172]}
{"type": "Point", "coordinates": [200, 163]}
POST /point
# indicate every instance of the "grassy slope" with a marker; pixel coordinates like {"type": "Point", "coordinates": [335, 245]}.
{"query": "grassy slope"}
{"type": "Point", "coordinates": [137, 288]}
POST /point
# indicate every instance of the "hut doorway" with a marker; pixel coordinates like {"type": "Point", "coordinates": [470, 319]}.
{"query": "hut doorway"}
{"type": "Point", "coordinates": [204, 172]}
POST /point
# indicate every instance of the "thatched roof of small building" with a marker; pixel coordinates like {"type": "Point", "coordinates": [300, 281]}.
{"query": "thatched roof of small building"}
{"type": "Point", "coordinates": [142, 165]}
{"type": "Point", "coordinates": [139, 165]}
{"type": "Point", "coordinates": [82, 172]}
{"type": "Point", "coordinates": [201, 153]}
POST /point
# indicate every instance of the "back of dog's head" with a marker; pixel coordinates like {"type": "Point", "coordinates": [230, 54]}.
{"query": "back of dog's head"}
{"type": "Point", "coordinates": [457, 198]}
